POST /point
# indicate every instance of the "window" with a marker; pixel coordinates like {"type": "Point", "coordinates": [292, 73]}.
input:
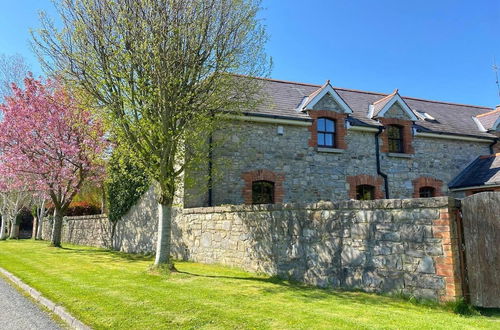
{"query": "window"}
{"type": "Point", "coordinates": [365, 192]}
{"type": "Point", "coordinates": [326, 132]}
{"type": "Point", "coordinates": [262, 192]}
{"type": "Point", "coordinates": [425, 192]}
{"type": "Point", "coordinates": [395, 138]}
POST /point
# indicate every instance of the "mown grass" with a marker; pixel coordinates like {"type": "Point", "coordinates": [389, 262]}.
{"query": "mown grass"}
{"type": "Point", "coordinates": [106, 289]}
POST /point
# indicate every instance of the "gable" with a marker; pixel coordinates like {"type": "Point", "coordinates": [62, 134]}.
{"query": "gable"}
{"type": "Point", "coordinates": [392, 106]}
{"type": "Point", "coordinates": [325, 98]}
{"type": "Point", "coordinates": [396, 111]}
{"type": "Point", "coordinates": [327, 102]}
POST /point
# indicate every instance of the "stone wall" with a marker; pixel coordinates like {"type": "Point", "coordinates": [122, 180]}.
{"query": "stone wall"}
{"type": "Point", "coordinates": [312, 175]}
{"type": "Point", "coordinates": [380, 246]}
{"type": "Point", "coordinates": [91, 230]}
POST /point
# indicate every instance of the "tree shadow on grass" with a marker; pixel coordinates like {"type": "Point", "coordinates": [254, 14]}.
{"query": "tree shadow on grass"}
{"type": "Point", "coordinates": [116, 255]}
{"type": "Point", "coordinates": [304, 291]}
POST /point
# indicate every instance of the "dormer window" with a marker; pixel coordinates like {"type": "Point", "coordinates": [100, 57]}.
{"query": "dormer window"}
{"type": "Point", "coordinates": [326, 133]}
{"type": "Point", "coordinates": [395, 138]}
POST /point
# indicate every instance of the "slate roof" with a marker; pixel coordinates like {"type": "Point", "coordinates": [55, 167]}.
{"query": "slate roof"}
{"type": "Point", "coordinates": [380, 104]}
{"type": "Point", "coordinates": [484, 171]}
{"type": "Point", "coordinates": [489, 119]}
{"type": "Point", "coordinates": [283, 99]}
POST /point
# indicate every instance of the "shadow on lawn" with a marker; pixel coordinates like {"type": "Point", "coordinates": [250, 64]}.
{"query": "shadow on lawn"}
{"type": "Point", "coordinates": [301, 290]}
{"type": "Point", "coordinates": [279, 285]}
{"type": "Point", "coordinates": [117, 255]}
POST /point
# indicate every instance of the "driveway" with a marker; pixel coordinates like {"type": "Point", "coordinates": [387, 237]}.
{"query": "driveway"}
{"type": "Point", "coordinates": [18, 312]}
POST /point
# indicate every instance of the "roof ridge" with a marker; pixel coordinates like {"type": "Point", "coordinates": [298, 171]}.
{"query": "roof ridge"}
{"type": "Point", "coordinates": [488, 113]}
{"type": "Point", "coordinates": [387, 96]}
{"type": "Point", "coordinates": [445, 102]}
{"type": "Point", "coordinates": [277, 80]}
{"type": "Point", "coordinates": [365, 92]}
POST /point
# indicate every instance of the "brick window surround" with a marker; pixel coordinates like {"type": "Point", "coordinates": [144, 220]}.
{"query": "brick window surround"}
{"type": "Point", "coordinates": [340, 130]}
{"type": "Point", "coordinates": [364, 179]}
{"type": "Point", "coordinates": [407, 134]}
{"type": "Point", "coordinates": [425, 181]}
{"type": "Point", "coordinates": [263, 175]}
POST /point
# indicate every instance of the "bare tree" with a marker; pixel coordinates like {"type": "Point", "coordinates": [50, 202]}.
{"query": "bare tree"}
{"type": "Point", "coordinates": [161, 71]}
{"type": "Point", "coordinates": [13, 69]}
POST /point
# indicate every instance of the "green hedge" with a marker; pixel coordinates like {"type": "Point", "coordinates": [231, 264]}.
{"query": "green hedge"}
{"type": "Point", "coordinates": [126, 183]}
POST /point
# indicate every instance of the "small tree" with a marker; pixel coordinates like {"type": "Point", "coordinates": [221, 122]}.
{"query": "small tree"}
{"type": "Point", "coordinates": [13, 70]}
{"type": "Point", "coordinates": [14, 196]}
{"type": "Point", "coordinates": [39, 212]}
{"type": "Point", "coordinates": [159, 69]}
{"type": "Point", "coordinates": [45, 134]}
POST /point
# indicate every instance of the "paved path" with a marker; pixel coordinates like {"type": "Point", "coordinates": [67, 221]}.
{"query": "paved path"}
{"type": "Point", "coordinates": [18, 312]}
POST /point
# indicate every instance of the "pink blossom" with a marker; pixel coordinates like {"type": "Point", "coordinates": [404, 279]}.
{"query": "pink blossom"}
{"type": "Point", "coordinates": [48, 139]}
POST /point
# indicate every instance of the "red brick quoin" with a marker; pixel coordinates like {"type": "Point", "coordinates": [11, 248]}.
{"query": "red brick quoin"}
{"type": "Point", "coordinates": [362, 179]}
{"type": "Point", "coordinates": [340, 130]}
{"type": "Point", "coordinates": [425, 181]}
{"type": "Point", "coordinates": [260, 175]}
{"type": "Point", "coordinates": [448, 265]}
{"type": "Point", "coordinates": [407, 134]}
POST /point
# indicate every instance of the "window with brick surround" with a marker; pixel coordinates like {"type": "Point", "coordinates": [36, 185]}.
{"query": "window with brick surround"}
{"type": "Point", "coordinates": [426, 192]}
{"type": "Point", "coordinates": [326, 132]}
{"type": "Point", "coordinates": [404, 135]}
{"type": "Point", "coordinates": [427, 187]}
{"type": "Point", "coordinates": [395, 138]}
{"type": "Point", "coordinates": [338, 131]}
{"type": "Point", "coordinates": [365, 192]}
{"type": "Point", "coordinates": [262, 192]}
{"type": "Point", "coordinates": [261, 182]}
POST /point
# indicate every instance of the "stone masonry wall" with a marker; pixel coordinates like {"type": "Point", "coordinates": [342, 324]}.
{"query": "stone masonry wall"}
{"type": "Point", "coordinates": [312, 175]}
{"type": "Point", "coordinates": [91, 230]}
{"type": "Point", "coordinates": [380, 246]}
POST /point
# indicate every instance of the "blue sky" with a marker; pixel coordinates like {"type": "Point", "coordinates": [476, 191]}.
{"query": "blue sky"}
{"type": "Point", "coordinates": [439, 49]}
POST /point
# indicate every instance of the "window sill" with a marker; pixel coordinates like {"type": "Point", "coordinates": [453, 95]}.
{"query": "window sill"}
{"type": "Point", "coordinates": [399, 155]}
{"type": "Point", "coordinates": [330, 150]}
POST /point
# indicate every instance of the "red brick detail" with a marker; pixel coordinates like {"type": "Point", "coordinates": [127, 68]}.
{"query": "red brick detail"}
{"type": "Point", "coordinates": [448, 265]}
{"type": "Point", "coordinates": [407, 134]}
{"type": "Point", "coordinates": [425, 181]}
{"type": "Point", "coordinates": [363, 179]}
{"type": "Point", "coordinates": [340, 130]}
{"type": "Point", "coordinates": [260, 175]}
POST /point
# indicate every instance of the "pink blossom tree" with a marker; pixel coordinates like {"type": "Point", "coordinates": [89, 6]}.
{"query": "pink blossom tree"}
{"type": "Point", "coordinates": [46, 135]}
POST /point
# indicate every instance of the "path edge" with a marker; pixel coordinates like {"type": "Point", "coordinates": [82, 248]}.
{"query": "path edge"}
{"type": "Point", "coordinates": [59, 310]}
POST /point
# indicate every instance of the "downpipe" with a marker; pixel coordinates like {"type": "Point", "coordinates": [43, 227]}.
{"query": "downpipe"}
{"type": "Point", "coordinates": [379, 171]}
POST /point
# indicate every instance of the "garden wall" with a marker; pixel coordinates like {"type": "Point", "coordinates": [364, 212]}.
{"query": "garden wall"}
{"type": "Point", "coordinates": [383, 246]}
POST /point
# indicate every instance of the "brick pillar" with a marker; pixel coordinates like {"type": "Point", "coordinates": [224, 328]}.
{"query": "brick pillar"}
{"type": "Point", "coordinates": [448, 265]}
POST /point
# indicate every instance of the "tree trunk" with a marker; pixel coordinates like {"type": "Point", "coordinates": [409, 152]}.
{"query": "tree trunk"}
{"type": "Point", "coordinates": [14, 229]}
{"type": "Point", "coordinates": [3, 229]}
{"type": "Point", "coordinates": [35, 228]}
{"type": "Point", "coordinates": [39, 229]}
{"type": "Point", "coordinates": [164, 235]}
{"type": "Point", "coordinates": [57, 229]}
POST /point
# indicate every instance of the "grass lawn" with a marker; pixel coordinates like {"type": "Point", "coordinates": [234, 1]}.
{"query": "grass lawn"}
{"type": "Point", "coordinates": [114, 290]}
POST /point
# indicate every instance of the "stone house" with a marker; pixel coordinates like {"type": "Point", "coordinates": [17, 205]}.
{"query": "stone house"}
{"type": "Point", "coordinates": [306, 143]}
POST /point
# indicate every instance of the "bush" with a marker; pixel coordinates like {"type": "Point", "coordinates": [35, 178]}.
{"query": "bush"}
{"type": "Point", "coordinates": [126, 183]}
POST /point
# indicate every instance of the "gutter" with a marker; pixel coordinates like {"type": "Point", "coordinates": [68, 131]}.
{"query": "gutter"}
{"type": "Point", "coordinates": [475, 187]}
{"type": "Point", "coordinates": [379, 171]}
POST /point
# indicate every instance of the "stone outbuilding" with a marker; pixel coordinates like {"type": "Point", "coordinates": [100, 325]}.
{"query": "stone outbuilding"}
{"type": "Point", "coordinates": [305, 143]}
